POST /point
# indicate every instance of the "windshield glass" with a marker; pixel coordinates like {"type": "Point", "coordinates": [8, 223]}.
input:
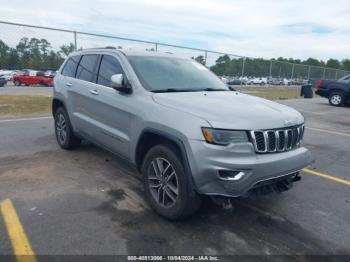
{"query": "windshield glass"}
{"type": "Point", "coordinates": [168, 74]}
{"type": "Point", "coordinates": [345, 78]}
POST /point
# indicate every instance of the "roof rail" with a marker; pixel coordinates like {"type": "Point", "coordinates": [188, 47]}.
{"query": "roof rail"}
{"type": "Point", "coordinates": [105, 47]}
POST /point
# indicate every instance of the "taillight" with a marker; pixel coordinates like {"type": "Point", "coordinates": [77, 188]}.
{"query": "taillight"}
{"type": "Point", "coordinates": [318, 84]}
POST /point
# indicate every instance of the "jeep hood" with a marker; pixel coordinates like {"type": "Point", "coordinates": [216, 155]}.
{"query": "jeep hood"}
{"type": "Point", "coordinates": [231, 110]}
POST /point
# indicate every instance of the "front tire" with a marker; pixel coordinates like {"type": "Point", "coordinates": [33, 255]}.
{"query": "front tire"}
{"type": "Point", "coordinates": [167, 186]}
{"type": "Point", "coordinates": [65, 136]}
{"type": "Point", "coordinates": [337, 98]}
{"type": "Point", "coordinates": [17, 83]}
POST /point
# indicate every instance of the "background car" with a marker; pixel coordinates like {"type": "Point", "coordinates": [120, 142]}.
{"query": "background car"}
{"type": "Point", "coordinates": [257, 81]}
{"type": "Point", "coordinates": [28, 79]}
{"type": "Point", "coordinates": [3, 81]}
{"type": "Point", "coordinates": [7, 74]}
{"type": "Point", "coordinates": [337, 91]}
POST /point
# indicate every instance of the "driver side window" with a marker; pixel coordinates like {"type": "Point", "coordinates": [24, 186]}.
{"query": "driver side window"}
{"type": "Point", "coordinates": [109, 66]}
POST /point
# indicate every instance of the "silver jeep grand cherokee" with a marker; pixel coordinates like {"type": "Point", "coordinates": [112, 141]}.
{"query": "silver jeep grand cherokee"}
{"type": "Point", "coordinates": [185, 131]}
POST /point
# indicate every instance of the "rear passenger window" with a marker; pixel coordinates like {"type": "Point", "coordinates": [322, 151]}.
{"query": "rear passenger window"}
{"type": "Point", "coordinates": [71, 66]}
{"type": "Point", "coordinates": [109, 66]}
{"type": "Point", "coordinates": [87, 68]}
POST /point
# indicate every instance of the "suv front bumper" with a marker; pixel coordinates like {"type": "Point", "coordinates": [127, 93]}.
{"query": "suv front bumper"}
{"type": "Point", "coordinates": [208, 161]}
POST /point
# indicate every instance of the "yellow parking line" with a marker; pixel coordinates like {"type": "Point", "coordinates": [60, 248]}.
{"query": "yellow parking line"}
{"type": "Point", "coordinates": [20, 243]}
{"type": "Point", "coordinates": [336, 179]}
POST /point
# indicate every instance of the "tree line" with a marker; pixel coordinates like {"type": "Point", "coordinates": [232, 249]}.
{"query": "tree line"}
{"type": "Point", "coordinates": [32, 53]}
{"type": "Point", "coordinates": [38, 54]}
{"type": "Point", "coordinates": [281, 67]}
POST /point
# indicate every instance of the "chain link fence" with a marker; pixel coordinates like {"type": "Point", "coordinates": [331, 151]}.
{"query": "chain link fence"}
{"type": "Point", "coordinates": [35, 47]}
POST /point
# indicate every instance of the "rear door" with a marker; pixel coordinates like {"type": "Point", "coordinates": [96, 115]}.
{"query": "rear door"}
{"type": "Point", "coordinates": [67, 88]}
{"type": "Point", "coordinates": [82, 93]}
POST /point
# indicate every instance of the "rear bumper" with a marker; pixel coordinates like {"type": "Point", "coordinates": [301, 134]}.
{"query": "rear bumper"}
{"type": "Point", "coordinates": [257, 168]}
{"type": "Point", "coordinates": [322, 93]}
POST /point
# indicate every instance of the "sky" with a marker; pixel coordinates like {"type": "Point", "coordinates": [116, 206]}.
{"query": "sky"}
{"type": "Point", "coordinates": [254, 28]}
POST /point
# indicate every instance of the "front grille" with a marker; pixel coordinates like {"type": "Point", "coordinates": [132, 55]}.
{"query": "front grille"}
{"type": "Point", "coordinates": [277, 140]}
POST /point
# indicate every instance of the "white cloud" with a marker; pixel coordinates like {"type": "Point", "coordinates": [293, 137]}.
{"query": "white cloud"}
{"type": "Point", "coordinates": [270, 28]}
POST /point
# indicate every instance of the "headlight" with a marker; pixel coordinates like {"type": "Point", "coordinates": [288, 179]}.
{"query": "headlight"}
{"type": "Point", "coordinates": [224, 137]}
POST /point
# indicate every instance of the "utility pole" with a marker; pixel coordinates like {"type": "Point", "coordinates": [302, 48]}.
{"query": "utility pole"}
{"type": "Point", "coordinates": [324, 73]}
{"type": "Point", "coordinates": [270, 69]}
{"type": "Point", "coordinates": [243, 64]}
{"type": "Point", "coordinates": [75, 41]}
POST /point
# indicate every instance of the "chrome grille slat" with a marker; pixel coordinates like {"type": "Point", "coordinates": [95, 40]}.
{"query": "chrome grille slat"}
{"type": "Point", "coordinates": [266, 140]}
{"type": "Point", "coordinates": [298, 140]}
{"type": "Point", "coordinates": [277, 140]}
{"type": "Point", "coordinates": [286, 139]}
{"type": "Point", "coordinates": [289, 139]}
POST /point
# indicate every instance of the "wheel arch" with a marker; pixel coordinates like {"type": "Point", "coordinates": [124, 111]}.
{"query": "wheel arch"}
{"type": "Point", "coordinates": [150, 137]}
{"type": "Point", "coordinates": [57, 103]}
{"type": "Point", "coordinates": [336, 90]}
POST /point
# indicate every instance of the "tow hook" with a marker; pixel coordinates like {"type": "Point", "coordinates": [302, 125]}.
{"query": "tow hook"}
{"type": "Point", "coordinates": [297, 177]}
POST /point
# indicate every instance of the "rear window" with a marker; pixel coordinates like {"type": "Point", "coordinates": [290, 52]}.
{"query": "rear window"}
{"type": "Point", "coordinates": [70, 67]}
{"type": "Point", "coordinates": [87, 68]}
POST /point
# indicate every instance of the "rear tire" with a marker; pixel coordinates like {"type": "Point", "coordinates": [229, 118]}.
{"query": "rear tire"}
{"type": "Point", "coordinates": [65, 136]}
{"type": "Point", "coordinates": [17, 83]}
{"type": "Point", "coordinates": [167, 186]}
{"type": "Point", "coordinates": [337, 98]}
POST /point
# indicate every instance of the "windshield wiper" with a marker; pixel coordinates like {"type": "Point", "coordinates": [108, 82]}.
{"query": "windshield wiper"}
{"type": "Point", "coordinates": [214, 89]}
{"type": "Point", "coordinates": [171, 90]}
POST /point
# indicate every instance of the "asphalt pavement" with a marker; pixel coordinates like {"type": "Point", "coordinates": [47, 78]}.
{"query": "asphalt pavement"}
{"type": "Point", "coordinates": [88, 201]}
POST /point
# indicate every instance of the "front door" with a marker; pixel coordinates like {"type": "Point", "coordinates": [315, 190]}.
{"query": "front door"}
{"type": "Point", "coordinates": [112, 114]}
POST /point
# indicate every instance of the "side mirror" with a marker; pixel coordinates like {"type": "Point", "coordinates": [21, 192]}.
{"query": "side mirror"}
{"type": "Point", "coordinates": [120, 83]}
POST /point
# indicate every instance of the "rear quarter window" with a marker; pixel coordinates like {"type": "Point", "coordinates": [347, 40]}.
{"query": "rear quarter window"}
{"type": "Point", "coordinates": [70, 67]}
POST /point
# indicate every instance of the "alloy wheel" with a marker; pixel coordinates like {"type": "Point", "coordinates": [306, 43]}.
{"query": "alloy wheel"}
{"type": "Point", "coordinates": [61, 128]}
{"type": "Point", "coordinates": [336, 99]}
{"type": "Point", "coordinates": [163, 182]}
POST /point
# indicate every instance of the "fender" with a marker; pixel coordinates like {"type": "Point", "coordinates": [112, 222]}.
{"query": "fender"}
{"type": "Point", "coordinates": [181, 146]}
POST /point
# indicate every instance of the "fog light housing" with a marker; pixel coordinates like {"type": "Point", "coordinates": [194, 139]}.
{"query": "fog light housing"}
{"type": "Point", "coordinates": [230, 175]}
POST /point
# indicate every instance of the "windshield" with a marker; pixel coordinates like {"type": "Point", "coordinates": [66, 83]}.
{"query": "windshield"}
{"type": "Point", "coordinates": [168, 74]}
{"type": "Point", "coordinates": [345, 78]}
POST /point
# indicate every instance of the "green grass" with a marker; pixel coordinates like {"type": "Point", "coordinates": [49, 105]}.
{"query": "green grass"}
{"type": "Point", "coordinates": [276, 94]}
{"type": "Point", "coordinates": [24, 104]}
{"type": "Point", "coordinates": [272, 93]}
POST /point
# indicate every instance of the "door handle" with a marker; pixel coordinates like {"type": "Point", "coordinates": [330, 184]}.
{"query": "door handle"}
{"type": "Point", "coordinates": [69, 84]}
{"type": "Point", "coordinates": [94, 92]}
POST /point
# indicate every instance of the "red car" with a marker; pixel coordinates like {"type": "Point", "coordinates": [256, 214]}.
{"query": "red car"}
{"type": "Point", "coordinates": [28, 79]}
